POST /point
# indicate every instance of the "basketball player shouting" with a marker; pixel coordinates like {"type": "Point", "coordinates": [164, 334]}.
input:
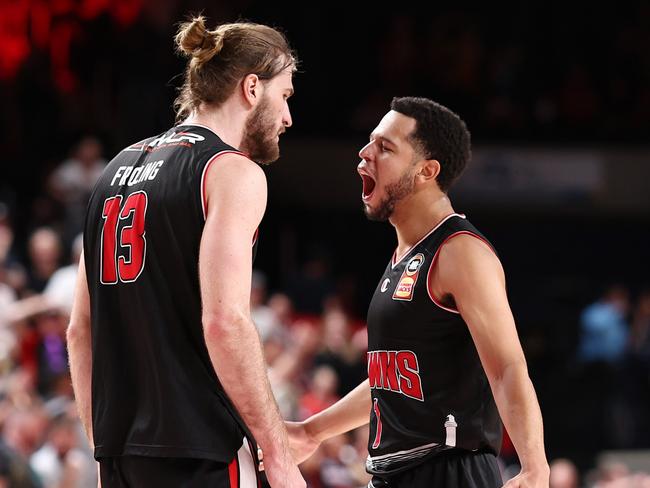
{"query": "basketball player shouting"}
{"type": "Point", "coordinates": [444, 363]}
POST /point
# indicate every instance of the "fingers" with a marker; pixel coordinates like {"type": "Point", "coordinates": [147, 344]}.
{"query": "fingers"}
{"type": "Point", "coordinates": [260, 458]}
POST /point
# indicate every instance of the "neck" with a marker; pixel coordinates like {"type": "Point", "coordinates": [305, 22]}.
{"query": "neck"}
{"type": "Point", "coordinates": [228, 121]}
{"type": "Point", "coordinates": [416, 215]}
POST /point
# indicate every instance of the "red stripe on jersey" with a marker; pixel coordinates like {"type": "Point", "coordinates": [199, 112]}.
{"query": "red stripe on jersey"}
{"type": "Point", "coordinates": [204, 201]}
{"type": "Point", "coordinates": [233, 472]}
{"type": "Point", "coordinates": [377, 441]}
{"type": "Point", "coordinates": [435, 258]}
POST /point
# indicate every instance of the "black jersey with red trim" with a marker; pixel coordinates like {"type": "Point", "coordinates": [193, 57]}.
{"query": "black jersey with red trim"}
{"type": "Point", "coordinates": [154, 390]}
{"type": "Point", "coordinates": [429, 390]}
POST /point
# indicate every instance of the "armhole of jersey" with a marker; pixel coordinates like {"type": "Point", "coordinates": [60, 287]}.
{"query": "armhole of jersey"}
{"type": "Point", "coordinates": [435, 259]}
{"type": "Point", "coordinates": [204, 202]}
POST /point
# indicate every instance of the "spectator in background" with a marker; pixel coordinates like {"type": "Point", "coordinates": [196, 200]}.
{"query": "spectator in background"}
{"type": "Point", "coordinates": [263, 316]}
{"type": "Point", "coordinates": [60, 463]}
{"type": "Point", "coordinates": [44, 256]}
{"type": "Point", "coordinates": [13, 278]}
{"type": "Point", "coordinates": [333, 471]}
{"type": "Point", "coordinates": [288, 353]}
{"type": "Point", "coordinates": [340, 352]}
{"type": "Point", "coordinates": [564, 474]}
{"type": "Point", "coordinates": [7, 295]}
{"type": "Point", "coordinates": [282, 308]}
{"type": "Point", "coordinates": [603, 328]}
{"type": "Point", "coordinates": [321, 392]}
{"type": "Point", "coordinates": [73, 181]}
{"type": "Point", "coordinates": [52, 354]}
{"type": "Point", "coordinates": [59, 291]}
{"type": "Point", "coordinates": [601, 351]}
{"type": "Point", "coordinates": [22, 434]}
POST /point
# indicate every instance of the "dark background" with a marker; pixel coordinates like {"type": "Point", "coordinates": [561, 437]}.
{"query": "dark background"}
{"type": "Point", "coordinates": [550, 75]}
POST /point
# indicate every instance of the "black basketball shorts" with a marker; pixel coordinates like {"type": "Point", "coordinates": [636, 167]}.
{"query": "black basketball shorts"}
{"type": "Point", "coordinates": [158, 472]}
{"type": "Point", "coordinates": [451, 469]}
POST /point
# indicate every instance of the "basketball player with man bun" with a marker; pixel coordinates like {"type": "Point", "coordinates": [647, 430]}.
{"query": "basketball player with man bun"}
{"type": "Point", "coordinates": [166, 363]}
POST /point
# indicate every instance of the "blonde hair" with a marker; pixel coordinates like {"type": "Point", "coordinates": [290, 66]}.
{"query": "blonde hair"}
{"type": "Point", "coordinates": [220, 58]}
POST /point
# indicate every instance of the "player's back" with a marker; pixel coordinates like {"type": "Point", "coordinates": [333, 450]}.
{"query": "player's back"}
{"type": "Point", "coordinates": [154, 391]}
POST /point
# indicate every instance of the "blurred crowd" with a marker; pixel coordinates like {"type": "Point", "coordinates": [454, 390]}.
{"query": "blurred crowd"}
{"type": "Point", "coordinates": [313, 342]}
{"type": "Point", "coordinates": [613, 367]}
{"type": "Point", "coordinates": [533, 73]}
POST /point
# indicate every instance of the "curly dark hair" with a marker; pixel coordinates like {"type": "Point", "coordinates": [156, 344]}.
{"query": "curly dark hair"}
{"type": "Point", "coordinates": [439, 134]}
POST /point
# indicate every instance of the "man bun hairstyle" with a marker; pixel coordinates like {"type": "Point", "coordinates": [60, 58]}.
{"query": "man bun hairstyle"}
{"type": "Point", "coordinates": [196, 42]}
{"type": "Point", "coordinates": [219, 59]}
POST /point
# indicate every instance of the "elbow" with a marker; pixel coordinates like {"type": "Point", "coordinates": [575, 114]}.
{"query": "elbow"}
{"type": "Point", "coordinates": [221, 325]}
{"type": "Point", "coordinates": [77, 331]}
{"type": "Point", "coordinates": [506, 372]}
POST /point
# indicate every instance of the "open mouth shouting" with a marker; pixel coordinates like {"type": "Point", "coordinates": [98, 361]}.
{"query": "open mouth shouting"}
{"type": "Point", "coordinates": [369, 185]}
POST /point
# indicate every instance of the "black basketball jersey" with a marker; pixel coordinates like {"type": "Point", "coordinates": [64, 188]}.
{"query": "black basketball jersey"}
{"type": "Point", "coordinates": [154, 390]}
{"type": "Point", "coordinates": [429, 390]}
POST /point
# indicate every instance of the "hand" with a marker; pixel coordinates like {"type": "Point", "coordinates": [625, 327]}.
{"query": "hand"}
{"type": "Point", "coordinates": [283, 472]}
{"type": "Point", "coordinates": [530, 479]}
{"type": "Point", "coordinates": [301, 443]}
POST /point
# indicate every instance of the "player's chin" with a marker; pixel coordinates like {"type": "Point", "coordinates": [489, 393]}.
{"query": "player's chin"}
{"type": "Point", "coordinates": [270, 154]}
{"type": "Point", "coordinates": [373, 214]}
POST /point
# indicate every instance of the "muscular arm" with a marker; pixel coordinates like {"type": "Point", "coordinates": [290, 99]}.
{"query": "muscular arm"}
{"type": "Point", "coordinates": [469, 271]}
{"type": "Point", "coordinates": [80, 350]}
{"type": "Point", "coordinates": [236, 200]}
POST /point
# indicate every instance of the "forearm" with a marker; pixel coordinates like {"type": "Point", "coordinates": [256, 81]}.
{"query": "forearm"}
{"type": "Point", "coordinates": [350, 412]}
{"type": "Point", "coordinates": [80, 356]}
{"type": "Point", "coordinates": [517, 403]}
{"type": "Point", "coordinates": [236, 355]}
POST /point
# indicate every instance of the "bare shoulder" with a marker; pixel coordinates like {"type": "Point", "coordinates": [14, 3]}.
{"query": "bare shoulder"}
{"type": "Point", "coordinates": [467, 252]}
{"type": "Point", "coordinates": [236, 168]}
{"type": "Point", "coordinates": [235, 177]}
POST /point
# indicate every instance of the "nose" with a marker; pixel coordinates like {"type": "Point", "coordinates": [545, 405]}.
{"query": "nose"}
{"type": "Point", "coordinates": [364, 153]}
{"type": "Point", "coordinates": [286, 116]}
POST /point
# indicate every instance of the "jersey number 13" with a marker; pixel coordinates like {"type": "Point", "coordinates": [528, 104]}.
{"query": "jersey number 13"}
{"type": "Point", "coordinates": [127, 266]}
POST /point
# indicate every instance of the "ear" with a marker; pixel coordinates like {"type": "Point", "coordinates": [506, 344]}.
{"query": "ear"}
{"type": "Point", "coordinates": [429, 170]}
{"type": "Point", "coordinates": [252, 89]}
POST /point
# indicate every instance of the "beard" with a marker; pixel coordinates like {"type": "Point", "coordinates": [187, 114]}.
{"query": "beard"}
{"type": "Point", "coordinates": [259, 135]}
{"type": "Point", "coordinates": [394, 193]}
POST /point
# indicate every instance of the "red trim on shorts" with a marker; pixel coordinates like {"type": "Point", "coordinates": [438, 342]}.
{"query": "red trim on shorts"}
{"type": "Point", "coordinates": [233, 472]}
{"type": "Point", "coordinates": [256, 235]}
{"type": "Point", "coordinates": [204, 201]}
{"type": "Point", "coordinates": [435, 258]}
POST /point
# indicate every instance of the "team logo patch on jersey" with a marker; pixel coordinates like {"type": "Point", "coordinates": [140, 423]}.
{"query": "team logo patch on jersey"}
{"type": "Point", "coordinates": [414, 264]}
{"type": "Point", "coordinates": [409, 278]}
{"type": "Point", "coordinates": [384, 285]}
